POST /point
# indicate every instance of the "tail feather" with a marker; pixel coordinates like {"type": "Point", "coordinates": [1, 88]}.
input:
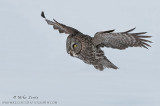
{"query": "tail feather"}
{"type": "Point", "coordinates": [103, 63]}
{"type": "Point", "coordinates": [106, 63]}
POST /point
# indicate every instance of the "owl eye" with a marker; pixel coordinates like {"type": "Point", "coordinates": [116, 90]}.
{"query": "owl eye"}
{"type": "Point", "coordinates": [74, 46]}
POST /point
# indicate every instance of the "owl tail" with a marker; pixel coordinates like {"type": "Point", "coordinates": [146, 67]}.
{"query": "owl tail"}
{"type": "Point", "coordinates": [103, 63]}
{"type": "Point", "coordinates": [108, 64]}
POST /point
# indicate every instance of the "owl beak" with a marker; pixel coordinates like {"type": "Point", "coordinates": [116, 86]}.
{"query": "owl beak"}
{"type": "Point", "coordinates": [70, 52]}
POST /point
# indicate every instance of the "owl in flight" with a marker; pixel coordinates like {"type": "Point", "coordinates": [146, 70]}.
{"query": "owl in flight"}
{"type": "Point", "coordinates": [88, 48]}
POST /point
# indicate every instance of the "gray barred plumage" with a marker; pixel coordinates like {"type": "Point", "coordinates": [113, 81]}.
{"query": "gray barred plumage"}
{"type": "Point", "coordinates": [88, 48]}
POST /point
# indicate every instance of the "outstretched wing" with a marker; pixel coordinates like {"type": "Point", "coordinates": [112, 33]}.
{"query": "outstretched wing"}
{"type": "Point", "coordinates": [121, 40]}
{"type": "Point", "coordinates": [61, 27]}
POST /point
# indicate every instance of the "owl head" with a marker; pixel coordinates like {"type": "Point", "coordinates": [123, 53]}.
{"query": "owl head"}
{"type": "Point", "coordinates": [73, 46]}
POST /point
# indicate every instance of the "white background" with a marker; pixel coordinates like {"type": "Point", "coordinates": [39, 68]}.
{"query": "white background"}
{"type": "Point", "coordinates": [34, 62]}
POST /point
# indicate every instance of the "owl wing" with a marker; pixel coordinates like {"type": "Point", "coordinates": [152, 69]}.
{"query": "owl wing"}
{"type": "Point", "coordinates": [60, 27]}
{"type": "Point", "coordinates": [121, 40]}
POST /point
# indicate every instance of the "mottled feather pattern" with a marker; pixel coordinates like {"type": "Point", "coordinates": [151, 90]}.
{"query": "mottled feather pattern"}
{"type": "Point", "coordinates": [60, 27]}
{"type": "Point", "coordinates": [121, 40]}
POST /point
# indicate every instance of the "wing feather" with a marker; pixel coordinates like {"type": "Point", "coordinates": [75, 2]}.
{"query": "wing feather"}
{"type": "Point", "coordinates": [61, 27]}
{"type": "Point", "coordinates": [121, 40]}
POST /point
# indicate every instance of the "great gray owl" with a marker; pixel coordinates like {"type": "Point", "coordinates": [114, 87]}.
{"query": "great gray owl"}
{"type": "Point", "coordinates": [88, 48]}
